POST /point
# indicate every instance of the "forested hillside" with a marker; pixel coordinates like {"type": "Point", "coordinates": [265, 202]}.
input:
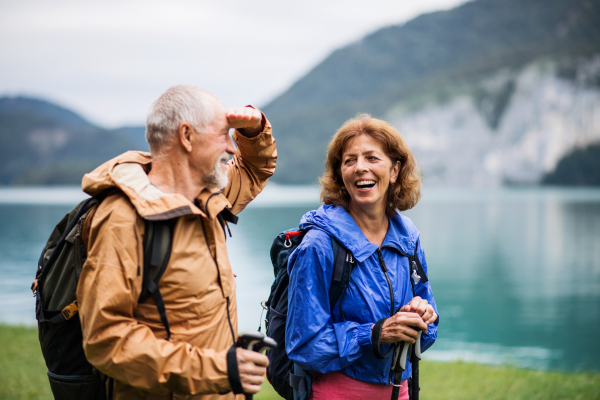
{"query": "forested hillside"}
{"type": "Point", "coordinates": [429, 61]}
{"type": "Point", "coordinates": [42, 143]}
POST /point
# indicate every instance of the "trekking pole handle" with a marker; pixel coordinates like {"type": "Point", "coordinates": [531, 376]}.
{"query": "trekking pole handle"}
{"type": "Point", "coordinates": [400, 356]}
{"type": "Point", "coordinates": [417, 350]}
{"type": "Point", "coordinates": [255, 341]}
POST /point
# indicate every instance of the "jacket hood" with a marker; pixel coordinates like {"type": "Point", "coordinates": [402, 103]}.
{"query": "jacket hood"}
{"type": "Point", "coordinates": [337, 222]}
{"type": "Point", "coordinates": [129, 173]}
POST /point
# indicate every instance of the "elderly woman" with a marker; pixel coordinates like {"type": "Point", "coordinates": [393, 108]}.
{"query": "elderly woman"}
{"type": "Point", "coordinates": [370, 175]}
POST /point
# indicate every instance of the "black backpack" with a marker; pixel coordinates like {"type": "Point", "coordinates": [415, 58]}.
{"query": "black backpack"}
{"type": "Point", "coordinates": [71, 376]}
{"type": "Point", "coordinates": [288, 379]}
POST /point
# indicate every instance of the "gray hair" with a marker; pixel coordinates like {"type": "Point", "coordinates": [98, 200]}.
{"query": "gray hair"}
{"type": "Point", "coordinates": [182, 103]}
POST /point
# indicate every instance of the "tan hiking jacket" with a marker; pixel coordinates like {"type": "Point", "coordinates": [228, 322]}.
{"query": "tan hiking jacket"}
{"type": "Point", "coordinates": [126, 340]}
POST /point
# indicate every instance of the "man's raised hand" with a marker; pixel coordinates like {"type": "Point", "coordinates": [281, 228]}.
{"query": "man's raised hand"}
{"type": "Point", "coordinates": [247, 120]}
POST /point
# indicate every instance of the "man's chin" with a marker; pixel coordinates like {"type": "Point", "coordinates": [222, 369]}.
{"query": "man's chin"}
{"type": "Point", "coordinates": [215, 184]}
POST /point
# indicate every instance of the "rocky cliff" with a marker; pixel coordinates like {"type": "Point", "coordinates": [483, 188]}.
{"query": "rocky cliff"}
{"type": "Point", "coordinates": [511, 126]}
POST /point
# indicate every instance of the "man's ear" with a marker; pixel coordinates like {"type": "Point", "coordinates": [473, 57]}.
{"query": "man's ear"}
{"type": "Point", "coordinates": [395, 172]}
{"type": "Point", "coordinates": [185, 136]}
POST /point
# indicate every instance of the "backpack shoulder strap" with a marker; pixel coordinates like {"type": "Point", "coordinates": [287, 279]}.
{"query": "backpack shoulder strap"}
{"type": "Point", "coordinates": [342, 266]}
{"type": "Point", "coordinates": [338, 264]}
{"type": "Point", "coordinates": [158, 240]}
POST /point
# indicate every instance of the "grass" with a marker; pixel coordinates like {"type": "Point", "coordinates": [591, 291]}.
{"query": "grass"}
{"type": "Point", "coordinates": [22, 368]}
{"type": "Point", "coordinates": [472, 381]}
{"type": "Point", "coordinates": [23, 376]}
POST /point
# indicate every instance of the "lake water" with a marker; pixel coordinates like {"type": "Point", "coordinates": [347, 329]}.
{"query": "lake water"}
{"type": "Point", "coordinates": [515, 272]}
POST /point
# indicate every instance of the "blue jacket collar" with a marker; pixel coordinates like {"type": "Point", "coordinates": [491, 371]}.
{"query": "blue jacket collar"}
{"type": "Point", "coordinates": [402, 234]}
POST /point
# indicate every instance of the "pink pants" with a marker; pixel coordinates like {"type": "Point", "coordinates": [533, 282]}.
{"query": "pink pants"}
{"type": "Point", "coordinates": [337, 386]}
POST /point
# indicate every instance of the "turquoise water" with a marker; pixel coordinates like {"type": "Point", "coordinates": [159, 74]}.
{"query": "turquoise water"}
{"type": "Point", "coordinates": [515, 272]}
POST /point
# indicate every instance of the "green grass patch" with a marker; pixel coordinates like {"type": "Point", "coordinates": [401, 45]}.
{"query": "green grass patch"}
{"type": "Point", "coordinates": [23, 376]}
{"type": "Point", "coordinates": [459, 380]}
{"type": "Point", "coordinates": [22, 367]}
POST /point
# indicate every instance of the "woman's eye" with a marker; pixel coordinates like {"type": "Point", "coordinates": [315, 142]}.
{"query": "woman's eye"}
{"type": "Point", "coordinates": [348, 160]}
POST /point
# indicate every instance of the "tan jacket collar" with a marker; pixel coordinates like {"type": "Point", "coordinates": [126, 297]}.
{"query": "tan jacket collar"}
{"type": "Point", "coordinates": [128, 172]}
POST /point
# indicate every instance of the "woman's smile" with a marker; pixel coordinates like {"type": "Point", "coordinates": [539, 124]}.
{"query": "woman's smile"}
{"type": "Point", "coordinates": [365, 185]}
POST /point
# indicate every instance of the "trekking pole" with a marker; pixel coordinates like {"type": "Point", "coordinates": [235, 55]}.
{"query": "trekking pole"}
{"type": "Point", "coordinates": [415, 358]}
{"type": "Point", "coordinates": [255, 341]}
{"type": "Point", "coordinates": [398, 366]}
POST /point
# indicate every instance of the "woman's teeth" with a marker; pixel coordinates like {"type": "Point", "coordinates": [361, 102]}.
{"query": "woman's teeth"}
{"type": "Point", "coordinates": [365, 184]}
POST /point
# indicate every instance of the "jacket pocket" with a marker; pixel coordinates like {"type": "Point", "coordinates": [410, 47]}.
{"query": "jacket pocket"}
{"type": "Point", "coordinates": [77, 387]}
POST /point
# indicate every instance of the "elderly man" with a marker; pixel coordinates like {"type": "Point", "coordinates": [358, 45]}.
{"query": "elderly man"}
{"type": "Point", "coordinates": [185, 179]}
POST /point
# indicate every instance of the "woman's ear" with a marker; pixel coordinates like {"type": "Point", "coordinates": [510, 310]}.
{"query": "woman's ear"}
{"type": "Point", "coordinates": [395, 171]}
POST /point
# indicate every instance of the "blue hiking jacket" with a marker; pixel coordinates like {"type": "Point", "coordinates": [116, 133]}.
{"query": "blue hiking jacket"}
{"type": "Point", "coordinates": [316, 337]}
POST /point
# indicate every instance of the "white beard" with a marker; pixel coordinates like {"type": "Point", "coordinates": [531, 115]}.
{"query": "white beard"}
{"type": "Point", "coordinates": [218, 179]}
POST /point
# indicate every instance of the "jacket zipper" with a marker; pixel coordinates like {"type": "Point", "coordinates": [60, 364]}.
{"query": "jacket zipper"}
{"type": "Point", "coordinates": [387, 278]}
{"type": "Point", "coordinates": [218, 277]}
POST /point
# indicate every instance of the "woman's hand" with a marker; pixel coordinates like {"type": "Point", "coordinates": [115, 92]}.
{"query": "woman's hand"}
{"type": "Point", "coordinates": [402, 327]}
{"type": "Point", "coordinates": [421, 307]}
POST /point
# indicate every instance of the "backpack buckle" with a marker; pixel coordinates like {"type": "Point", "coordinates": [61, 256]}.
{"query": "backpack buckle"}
{"type": "Point", "coordinates": [69, 311]}
{"type": "Point", "coordinates": [415, 276]}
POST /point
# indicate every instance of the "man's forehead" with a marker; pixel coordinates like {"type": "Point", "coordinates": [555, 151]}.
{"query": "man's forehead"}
{"type": "Point", "coordinates": [220, 121]}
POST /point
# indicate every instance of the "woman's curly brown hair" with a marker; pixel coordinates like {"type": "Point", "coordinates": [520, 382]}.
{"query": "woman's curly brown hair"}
{"type": "Point", "coordinates": [402, 195]}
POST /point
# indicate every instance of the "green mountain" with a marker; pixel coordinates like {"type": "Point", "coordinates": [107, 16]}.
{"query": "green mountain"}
{"type": "Point", "coordinates": [427, 60]}
{"type": "Point", "coordinates": [42, 143]}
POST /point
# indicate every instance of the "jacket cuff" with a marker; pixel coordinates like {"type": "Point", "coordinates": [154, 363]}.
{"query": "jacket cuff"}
{"type": "Point", "coordinates": [232, 371]}
{"type": "Point", "coordinates": [258, 149]}
{"type": "Point", "coordinates": [364, 336]}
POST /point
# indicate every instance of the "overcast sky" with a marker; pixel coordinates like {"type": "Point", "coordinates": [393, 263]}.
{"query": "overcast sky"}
{"type": "Point", "coordinates": [109, 59]}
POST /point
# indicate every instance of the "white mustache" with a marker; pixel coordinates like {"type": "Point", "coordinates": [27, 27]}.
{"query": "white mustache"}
{"type": "Point", "coordinates": [224, 158]}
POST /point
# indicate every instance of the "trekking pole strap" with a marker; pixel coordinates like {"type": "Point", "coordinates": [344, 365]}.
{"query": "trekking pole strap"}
{"type": "Point", "coordinates": [376, 339]}
{"type": "Point", "coordinates": [233, 372]}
